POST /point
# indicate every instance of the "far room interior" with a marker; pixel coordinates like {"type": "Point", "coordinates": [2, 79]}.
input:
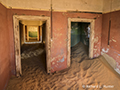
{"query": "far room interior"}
{"type": "Point", "coordinates": [80, 35]}
{"type": "Point", "coordinates": [32, 31]}
{"type": "Point", "coordinates": [32, 44]}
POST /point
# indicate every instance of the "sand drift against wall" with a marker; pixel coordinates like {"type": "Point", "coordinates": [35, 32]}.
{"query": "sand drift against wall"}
{"type": "Point", "coordinates": [83, 72]}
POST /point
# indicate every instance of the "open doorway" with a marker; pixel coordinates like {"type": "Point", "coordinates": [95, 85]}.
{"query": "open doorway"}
{"type": "Point", "coordinates": [32, 41]}
{"type": "Point", "coordinates": [32, 31]}
{"type": "Point", "coordinates": [31, 44]}
{"type": "Point", "coordinates": [80, 36]}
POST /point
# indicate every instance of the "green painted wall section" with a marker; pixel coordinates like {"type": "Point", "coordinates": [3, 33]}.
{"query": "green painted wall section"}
{"type": "Point", "coordinates": [75, 33]}
{"type": "Point", "coordinates": [79, 33]}
{"type": "Point", "coordinates": [32, 33]}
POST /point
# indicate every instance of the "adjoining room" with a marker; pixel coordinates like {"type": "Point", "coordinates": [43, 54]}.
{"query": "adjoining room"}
{"type": "Point", "coordinates": [32, 44]}
{"type": "Point", "coordinates": [80, 35]}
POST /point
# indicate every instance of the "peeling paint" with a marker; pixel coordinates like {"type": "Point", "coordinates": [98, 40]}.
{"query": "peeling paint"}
{"type": "Point", "coordinates": [118, 68]}
{"type": "Point", "coordinates": [96, 40]}
{"type": "Point", "coordinates": [55, 58]}
{"type": "Point", "coordinates": [95, 50]}
{"type": "Point", "coordinates": [62, 60]}
{"type": "Point", "coordinates": [105, 51]}
{"type": "Point", "coordinates": [62, 51]}
{"type": "Point", "coordinates": [117, 53]}
{"type": "Point", "coordinates": [114, 40]}
{"type": "Point", "coordinates": [96, 55]}
{"type": "Point", "coordinates": [53, 63]}
{"type": "Point", "coordinates": [118, 65]}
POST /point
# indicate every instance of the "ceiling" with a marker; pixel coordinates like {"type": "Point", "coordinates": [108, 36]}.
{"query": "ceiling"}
{"type": "Point", "coordinates": [32, 23]}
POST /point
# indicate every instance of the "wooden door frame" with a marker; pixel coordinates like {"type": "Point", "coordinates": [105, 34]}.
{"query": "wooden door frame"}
{"type": "Point", "coordinates": [91, 39]}
{"type": "Point", "coordinates": [16, 19]}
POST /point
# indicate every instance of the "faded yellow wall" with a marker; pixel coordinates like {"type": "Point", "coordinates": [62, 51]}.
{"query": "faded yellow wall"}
{"type": "Point", "coordinates": [58, 5]}
{"type": "Point", "coordinates": [65, 5]}
{"type": "Point", "coordinates": [34, 23]}
{"type": "Point", "coordinates": [80, 5]}
{"type": "Point", "coordinates": [28, 4]}
{"type": "Point", "coordinates": [111, 5]}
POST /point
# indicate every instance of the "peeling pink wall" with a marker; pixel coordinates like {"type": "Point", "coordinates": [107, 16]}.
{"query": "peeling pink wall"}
{"type": "Point", "coordinates": [114, 48]}
{"type": "Point", "coordinates": [59, 32]}
{"type": "Point", "coordinates": [60, 29]}
{"type": "Point", "coordinates": [4, 49]}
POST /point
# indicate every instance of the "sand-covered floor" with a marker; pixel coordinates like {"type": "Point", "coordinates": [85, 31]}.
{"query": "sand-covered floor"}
{"type": "Point", "coordinates": [84, 74]}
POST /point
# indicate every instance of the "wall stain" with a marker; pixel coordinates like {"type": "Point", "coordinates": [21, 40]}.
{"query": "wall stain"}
{"type": "Point", "coordinates": [62, 60]}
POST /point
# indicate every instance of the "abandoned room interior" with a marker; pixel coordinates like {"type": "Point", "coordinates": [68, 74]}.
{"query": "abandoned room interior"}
{"type": "Point", "coordinates": [59, 45]}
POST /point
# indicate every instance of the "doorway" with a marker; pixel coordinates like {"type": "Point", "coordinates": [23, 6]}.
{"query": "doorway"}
{"type": "Point", "coordinates": [75, 35]}
{"type": "Point", "coordinates": [31, 34]}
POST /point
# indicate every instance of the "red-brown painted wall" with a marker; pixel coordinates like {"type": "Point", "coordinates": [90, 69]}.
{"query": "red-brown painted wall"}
{"type": "Point", "coordinates": [114, 48]}
{"type": "Point", "coordinates": [60, 29]}
{"type": "Point", "coordinates": [4, 49]}
{"type": "Point", "coordinates": [59, 32]}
